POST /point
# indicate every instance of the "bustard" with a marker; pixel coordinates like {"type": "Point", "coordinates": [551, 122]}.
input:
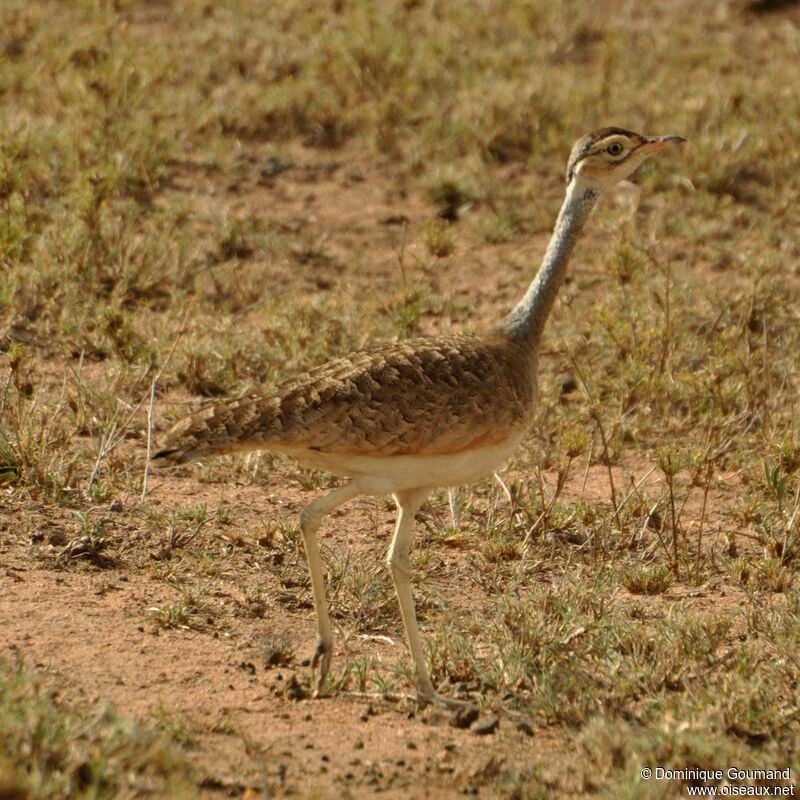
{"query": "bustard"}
{"type": "Point", "coordinates": [406, 417]}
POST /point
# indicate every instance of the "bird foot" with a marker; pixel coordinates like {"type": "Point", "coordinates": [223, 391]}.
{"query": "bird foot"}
{"type": "Point", "coordinates": [451, 703]}
{"type": "Point", "coordinates": [321, 658]}
{"type": "Point", "coordinates": [426, 695]}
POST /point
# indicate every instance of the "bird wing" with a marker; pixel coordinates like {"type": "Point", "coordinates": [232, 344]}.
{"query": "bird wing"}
{"type": "Point", "coordinates": [422, 397]}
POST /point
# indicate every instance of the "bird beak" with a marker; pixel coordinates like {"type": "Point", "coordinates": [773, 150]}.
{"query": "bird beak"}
{"type": "Point", "coordinates": [655, 143]}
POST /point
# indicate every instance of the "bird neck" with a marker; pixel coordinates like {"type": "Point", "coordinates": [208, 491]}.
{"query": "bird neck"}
{"type": "Point", "coordinates": [526, 321]}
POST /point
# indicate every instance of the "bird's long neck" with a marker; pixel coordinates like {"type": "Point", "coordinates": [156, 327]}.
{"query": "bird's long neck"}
{"type": "Point", "coordinates": [526, 321]}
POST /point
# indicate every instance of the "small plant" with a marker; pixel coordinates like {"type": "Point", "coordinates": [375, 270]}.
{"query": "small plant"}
{"type": "Point", "coordinates": [780, 529]}
{"type": "Point", "coordinates": [174, 615]}
{"type": "Point", "coordinates": [91, 540]}
{"type": "Point", "coordinates": [362, 594]}
{"type": "Point", "coordinates": [526, 784]}
{"type": "Point", "coordinates": [277, 651]}
{"type": "Point", "coordinates": [354, 676]}
{"type": "Point", "coordinates": [183, 613]}
{"type": "Point", "coordinates": [407, 310]}
{"type": "Point", "coordinates": [439, 237]}
{"type": "Point", "coordinates": [233, 243]}
{"type": "Point", "coordinates": [383, 684]}
{"type": "Point", "coordinates": [497, 227]}
{"type": "Point", "coordinates": [502, 546]}
{"type": "Point", "coordinates": [35, 431]}
{"type": "Point", "coordinates": [649, 579]}
{"type": "Point", "coordinates": [769, 575]}
{"type": "Point", "coordinates": [455, 193]}
{"type": "Point", "coordinates": [453, 660]}
{"type": "Point", "coordinates": [174, 726]}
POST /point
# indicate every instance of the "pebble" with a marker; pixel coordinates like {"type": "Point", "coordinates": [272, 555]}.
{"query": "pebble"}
{"type": "Point", "coordinates": [525, 726]}
{"type": "Point", "coordinates": [486, 725]}
{"type": "Point", "coordinates": [464, 717]}
{"type": "Point", "coordinates": [294, 691]}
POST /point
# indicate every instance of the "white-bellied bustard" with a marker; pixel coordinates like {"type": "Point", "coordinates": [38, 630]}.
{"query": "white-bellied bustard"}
{"type": "Point", "coordinates": [406, 417]}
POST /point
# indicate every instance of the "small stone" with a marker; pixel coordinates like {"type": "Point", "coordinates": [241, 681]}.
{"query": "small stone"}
{"type": "Point", "coordinates": [486, 725]}
{"type": "Point", "coordinates": [464, 717]}
{"type": "Point", "coordinates": [294, 691]}
{"type": "Point", "coordinates": [567, 383]}
{"type": "Point", "coordinates": [444, 761]}
{"type": "Point", "coordinates": [56, 538]}
{"type": "Point", "coordinates": [525, 726]}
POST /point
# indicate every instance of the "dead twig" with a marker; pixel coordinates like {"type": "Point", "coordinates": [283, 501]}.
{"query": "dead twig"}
{"type": "Point", "coordinates": [115, 434]}
{"type": "Point", "coordinates": [150, 417]}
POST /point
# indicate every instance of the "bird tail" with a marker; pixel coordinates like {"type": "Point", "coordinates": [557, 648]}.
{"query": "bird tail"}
{"type": "Point", "coordinates": [169, 457]}
{"type": "Point", "coordinates": [216, 429]}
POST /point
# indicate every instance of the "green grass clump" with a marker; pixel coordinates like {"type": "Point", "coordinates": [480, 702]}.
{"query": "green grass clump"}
{"type": "Point", "coordinates": [647, 580]}
{"type": "Point", "coordinates": [47, 750]}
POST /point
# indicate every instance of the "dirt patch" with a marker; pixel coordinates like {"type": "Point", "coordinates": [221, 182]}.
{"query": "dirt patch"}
{"type": "Point", "coordinates": [252, 727]}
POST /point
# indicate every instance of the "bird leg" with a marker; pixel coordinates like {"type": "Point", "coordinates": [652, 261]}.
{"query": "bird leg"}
{"type": "Point", "coordinates": [310, 519]}
{"type": "Point", "coordinates": [408, 501]}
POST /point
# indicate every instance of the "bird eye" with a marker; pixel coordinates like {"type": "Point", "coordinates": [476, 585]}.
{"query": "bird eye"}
{"type": "Point", "coordinates": [614, 149]}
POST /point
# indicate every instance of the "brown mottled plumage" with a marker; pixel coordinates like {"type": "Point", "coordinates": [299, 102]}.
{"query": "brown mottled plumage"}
{"type": "Point", "coordinates": [415, 397]}
{"type": "Point", "coordinates": [405, 417]}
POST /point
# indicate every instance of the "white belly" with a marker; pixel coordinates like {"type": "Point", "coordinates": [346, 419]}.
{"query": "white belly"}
{"type": "Point", "coordinates": [387, 474]}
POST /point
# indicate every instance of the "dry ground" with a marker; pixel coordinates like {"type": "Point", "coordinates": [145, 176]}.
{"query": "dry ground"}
{"type": "Point", "coordinates": [630, 600]}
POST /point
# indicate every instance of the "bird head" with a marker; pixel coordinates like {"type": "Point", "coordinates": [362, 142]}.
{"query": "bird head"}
{"type": "Point", "coordinates": [609, 155]}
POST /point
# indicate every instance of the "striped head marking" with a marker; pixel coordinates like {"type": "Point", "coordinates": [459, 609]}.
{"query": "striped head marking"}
{"type": "Point", "coordinates": [610, 155]}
